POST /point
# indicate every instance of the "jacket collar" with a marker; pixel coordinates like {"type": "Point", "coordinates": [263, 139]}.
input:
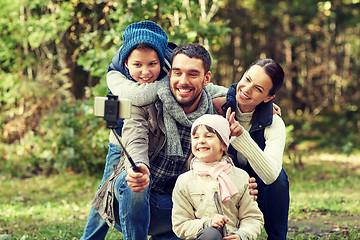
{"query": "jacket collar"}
{"type": "Point", "coordinates": [264, 116]}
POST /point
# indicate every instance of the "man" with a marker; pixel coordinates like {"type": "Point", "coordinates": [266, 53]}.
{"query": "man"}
{"type": "Point", "coordinates": [157, 137]}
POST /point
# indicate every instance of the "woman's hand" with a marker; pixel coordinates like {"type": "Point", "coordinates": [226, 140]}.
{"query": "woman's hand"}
{"type": "Point", "coordinates": [276, 109]}
{"type": "Point", "coordinates": [235, 128]}
{"type": "Point", "coordinates": [138, 181]}
{"type": "Point", "coordinates": [217, 103]}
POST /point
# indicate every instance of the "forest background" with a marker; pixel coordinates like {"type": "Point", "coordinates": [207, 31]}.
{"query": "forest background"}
{"type": "Point", "coordinates": [54, 57]}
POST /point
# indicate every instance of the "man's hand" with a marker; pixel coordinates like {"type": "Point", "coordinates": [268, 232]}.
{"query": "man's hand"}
{"type": "Point", "coordinates": [218, 221]}
{"type": "Point", "coordinates": [253, 186]}
{"type": "Point", "coordinates": [138, 181]}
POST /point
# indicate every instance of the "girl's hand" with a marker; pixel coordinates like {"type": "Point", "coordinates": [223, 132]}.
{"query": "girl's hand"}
{"type": "Point", "coordinates": [232, 236]}
{"type": "Point", "coordinates": [218, 220]}
{"type": "Point", "coordinates": [235, 127]}
{"type": "Point", "coordinates": [138, 181]}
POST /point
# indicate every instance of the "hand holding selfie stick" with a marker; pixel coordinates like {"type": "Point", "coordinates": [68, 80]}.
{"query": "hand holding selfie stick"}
{"type": "Point", "coordinates": [111, 115]}
{"type": "Point", "coordinates": [223, 230]}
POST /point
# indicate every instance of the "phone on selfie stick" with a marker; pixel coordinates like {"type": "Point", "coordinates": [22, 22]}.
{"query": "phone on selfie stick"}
{"type": "Point", "coordinates": [111, 109]}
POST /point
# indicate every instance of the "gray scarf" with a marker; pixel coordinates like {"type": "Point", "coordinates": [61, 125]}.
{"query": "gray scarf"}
{"type": "Point", "coordinates": [173, 113]}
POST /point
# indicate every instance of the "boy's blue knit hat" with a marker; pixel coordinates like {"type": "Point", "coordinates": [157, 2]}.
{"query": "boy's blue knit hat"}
{"type": "Point", "coordinates": [145, 32]}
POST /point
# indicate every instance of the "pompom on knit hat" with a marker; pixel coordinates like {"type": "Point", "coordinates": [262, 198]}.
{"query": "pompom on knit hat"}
{"type": "Point", "coordinates": [145, 32]}
{"type": "Point", "coordinates": [217, 122]}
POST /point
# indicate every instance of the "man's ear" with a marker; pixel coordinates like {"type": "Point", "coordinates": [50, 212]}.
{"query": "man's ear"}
{"type": "Point", "coordinates": [207, 78]}
{"type": "Point", "coordinates": [126, 63]}
{"type": "Point", "coordinates": [269, 98]}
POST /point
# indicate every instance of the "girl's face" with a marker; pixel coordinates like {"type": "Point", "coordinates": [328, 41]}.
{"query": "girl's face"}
{"type": "Point", "coordinates": [206, 146]}
{"type": "Point", "coordinates": [143, 65]}
{"type": "Point", "coordinates": [253, 88]}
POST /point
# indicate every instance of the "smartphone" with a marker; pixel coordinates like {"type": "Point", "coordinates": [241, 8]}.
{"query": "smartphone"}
{"type": "Point", "coordinates": [124, 107]}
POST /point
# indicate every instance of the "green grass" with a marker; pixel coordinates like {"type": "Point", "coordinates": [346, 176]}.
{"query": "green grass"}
{"type": "Point", "coordinates": [327, 187]}
{"type": "Point", "coordinates": [325, 198]}
{"type": "Point", "coordinates": [54, 207]}
{"type": "Point", "coordinates": [325, 204]}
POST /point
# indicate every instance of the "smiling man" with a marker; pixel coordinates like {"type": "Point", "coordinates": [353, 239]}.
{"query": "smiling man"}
{"type": "Point", "coordinates": [157, 137]}
{"type": "Point", "coordinates": [188, 77]}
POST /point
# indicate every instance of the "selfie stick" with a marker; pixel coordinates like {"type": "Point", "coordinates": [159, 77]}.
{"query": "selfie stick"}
{"type": "Point", "coordinates": [135, 168]}
{"type": "Point", "coordinates": [111, 115]}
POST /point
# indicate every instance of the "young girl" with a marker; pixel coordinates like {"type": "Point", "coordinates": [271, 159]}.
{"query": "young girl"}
{"type": "Point", "coordinates": [212, 200]}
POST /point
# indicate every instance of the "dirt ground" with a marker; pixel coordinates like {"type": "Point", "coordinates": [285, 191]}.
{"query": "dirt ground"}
{"type": "Point", "coordinates": [321, 224]}
{"type": "Point", "coordinates": [324, 225]}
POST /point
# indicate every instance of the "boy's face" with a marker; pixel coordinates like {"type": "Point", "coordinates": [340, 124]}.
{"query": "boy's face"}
{"type": "Point", "coordinates": [143, 65]}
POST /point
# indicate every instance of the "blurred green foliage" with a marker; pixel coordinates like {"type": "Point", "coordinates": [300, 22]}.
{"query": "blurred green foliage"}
{"type": "Point", "coordinates": [68, 138]}
{"type": "Point", "coordinates": [54, 57]}
{"type": "Point", "coordinates": [330, 132]}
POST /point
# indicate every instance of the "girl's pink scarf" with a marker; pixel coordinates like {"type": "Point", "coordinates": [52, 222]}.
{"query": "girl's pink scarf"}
{"type": "Point", "coordinates": [220, 172]}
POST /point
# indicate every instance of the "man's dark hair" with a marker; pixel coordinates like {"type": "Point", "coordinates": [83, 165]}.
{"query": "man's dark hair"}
{"type": "Point", "coordinates": [194, 50]}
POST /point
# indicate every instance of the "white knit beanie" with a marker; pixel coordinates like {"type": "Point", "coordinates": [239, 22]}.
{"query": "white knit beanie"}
{"type": "Point", "coordinates": [218, 123]}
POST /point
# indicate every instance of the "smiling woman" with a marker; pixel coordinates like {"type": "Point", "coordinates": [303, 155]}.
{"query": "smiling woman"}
{"type": "Point", "coordinates": [259, 148]}
{"type": "Point", "coordinates": [253, 88]}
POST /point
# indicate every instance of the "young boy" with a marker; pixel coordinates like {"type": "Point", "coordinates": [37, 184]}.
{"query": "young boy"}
{"type": "Point", "coordinates": [123, 77]}
{"type": "Point", "coordinates": [142, 60]}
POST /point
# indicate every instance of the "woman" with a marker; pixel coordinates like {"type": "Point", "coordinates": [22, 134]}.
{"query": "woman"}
{"type": "Point", "coordinates": [259, 148]}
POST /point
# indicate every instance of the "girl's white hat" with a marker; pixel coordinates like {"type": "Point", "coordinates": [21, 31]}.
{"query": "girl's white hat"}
{"type": "Point", "coordinates": [218, 123]}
